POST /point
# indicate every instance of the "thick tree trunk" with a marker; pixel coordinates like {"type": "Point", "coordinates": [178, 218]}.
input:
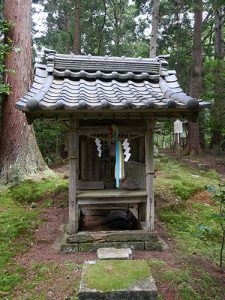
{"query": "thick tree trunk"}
{"type": "Point", "coordinates": [76, 42]}
{"type": "Point", "coordinates": [155, 21]}
{"type": "Point", "coordinates": [193, 141]}
{"type": "Point", "coordinates": [219, 91]}
{"type": "Point", "coordinates": [19, 153]}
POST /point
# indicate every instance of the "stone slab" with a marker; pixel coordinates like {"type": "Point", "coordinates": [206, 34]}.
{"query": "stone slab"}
{"type": "Point", "coordinates": [113, 253]}
{"type": "Point", "coordinates": [92, 241]}
{"type": "Point", "coordinates": [112, 236]}
{"type": "Point", "coordinates": [141, 286]}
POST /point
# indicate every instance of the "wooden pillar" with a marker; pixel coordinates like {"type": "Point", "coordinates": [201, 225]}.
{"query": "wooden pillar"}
{"type": "Point", "coordinates": [73, 167]}
{"type": "Point", "coordinates": [150, 172]}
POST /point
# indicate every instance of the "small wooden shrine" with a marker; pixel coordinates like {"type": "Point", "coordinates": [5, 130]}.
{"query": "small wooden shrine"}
{"type": "Point", "coordinates": [111, 105]}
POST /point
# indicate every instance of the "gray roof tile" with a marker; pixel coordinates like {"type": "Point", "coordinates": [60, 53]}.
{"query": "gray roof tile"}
{"type": "Point", "coordinates": [74, 82]}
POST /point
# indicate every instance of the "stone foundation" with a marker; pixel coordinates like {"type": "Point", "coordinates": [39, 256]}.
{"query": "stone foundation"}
{"type": "Point", "coordinates": [91, 241]}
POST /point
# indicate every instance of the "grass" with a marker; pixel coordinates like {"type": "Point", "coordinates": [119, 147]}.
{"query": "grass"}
{"type": "Point", "coordinates": [193, 228]}
{"type": "Point", "coordinates": [49, 281]}
{"type": "Point", "coordinates": [16, 220]}
{"type": "Point", "coordinates": [115, 275]}
{"type": "Point", "coordinates": [17, 223]}
{"type": "Point", "coordinates": [29, 191]}
{"type": "Point", "coordinates": [178, 181]}
{"type": "Point", "coordinates": [189, 221]}
{"type": "Point", "coordinates": [187, 283]}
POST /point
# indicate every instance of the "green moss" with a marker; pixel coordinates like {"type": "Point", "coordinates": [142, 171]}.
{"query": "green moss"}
{"type": "Point", "coordinates": [29, 191]}
{"type": "Point", "coordinates": [156, 263]}
{"type": "Point", "coordinates": [17, 223]}
{"type": "Point", "coordinates": [180, 181]}
{"type": "Point", "coordinates": [57, 277]}
{"type": "Point", "coordinates": [111, 275]}
{"type": "Point", "coordinates": [166, 274]}
{"type": "Point", "coordinates": [192, 226]}
{"type": "Point", "coordinates": [212, 174]}
{"type": "Point", "coordinates": [187, 282]}
{"type": "Point", "coordinates": [187, 292]}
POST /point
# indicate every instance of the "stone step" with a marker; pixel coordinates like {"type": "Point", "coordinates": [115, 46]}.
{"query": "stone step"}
{"type": "Point", "coordinates": [113, 253]}
{"type": "Point", "coordinates": [117, 279]}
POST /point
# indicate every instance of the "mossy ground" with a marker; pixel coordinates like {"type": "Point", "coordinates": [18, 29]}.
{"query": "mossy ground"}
{"type": "Point", "coordinates": [49, 281]}
{"type": "Point", "coordinates": [189, 219]}
{"type": "Point", "coordinates": [114, 275]}
{"type": "Point", "coordinates": [30, 191]}
{"type": "Point", "coordinates": [175, 180]}
{"type": "Point", "coordinates": [17, 223]}
{"type": "Point", "coordinates": [188, 282]}
{"type": "Point", "coordinates": [185, 213]}
{"type": "Point", "coordinates": [192, 226]}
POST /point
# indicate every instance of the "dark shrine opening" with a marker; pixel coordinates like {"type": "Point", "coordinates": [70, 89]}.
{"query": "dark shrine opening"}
{"type": "Point", "coordinates": [109, 218]}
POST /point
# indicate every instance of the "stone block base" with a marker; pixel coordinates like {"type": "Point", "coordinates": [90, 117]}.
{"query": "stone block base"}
{"type": "Point", "coordinates": [92, 241]}
{"type": "Point", "coordinates": [126, 279]}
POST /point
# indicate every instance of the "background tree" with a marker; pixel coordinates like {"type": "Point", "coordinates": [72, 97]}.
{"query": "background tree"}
{"type": "Point", "coordinates": [193, 140]}
{"type": "Point", "coordinates": [106, 27]}
{"type": "Point", "coordinates": [76, 41]}
{"type": "Point", "coordinates": [5, 48]}
{"type": "Point", "coordinates": [218, 112]}
{"type": "Point", "coordinates": [154, 31]}
{"type": "Point", "coordinates": [18, 148]}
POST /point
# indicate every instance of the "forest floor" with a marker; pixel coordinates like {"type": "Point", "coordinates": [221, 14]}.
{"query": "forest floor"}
{"type": "Point", "coordinates": [31, 218]}
{"type": "Point", "coordinates": [205, 161]}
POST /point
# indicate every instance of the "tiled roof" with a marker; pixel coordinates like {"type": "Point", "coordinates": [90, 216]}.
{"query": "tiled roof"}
{"type": "Point", "coordinates": [76, 82]}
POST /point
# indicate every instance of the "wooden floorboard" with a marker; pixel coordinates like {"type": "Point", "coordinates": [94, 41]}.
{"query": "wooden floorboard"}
{"type": "Point", "coordinates": [110, 193]}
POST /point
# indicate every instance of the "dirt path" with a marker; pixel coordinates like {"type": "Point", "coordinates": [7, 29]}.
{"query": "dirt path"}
{"type": "Point", "coordinates": [42, 250]}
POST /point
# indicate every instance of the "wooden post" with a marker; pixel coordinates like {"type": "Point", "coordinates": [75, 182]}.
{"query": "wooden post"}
{"type": "Point", "coordinates": [177, 137]}
{"type": "Point", "coordinates": [150, 172]}
{"type": "Point", "coordinates": [73, 165]}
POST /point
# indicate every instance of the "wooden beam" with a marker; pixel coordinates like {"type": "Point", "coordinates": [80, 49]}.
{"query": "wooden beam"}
{"type": "Point", "coordinates": [92, 130]}
{"type": "Point", "coordinates": [73, 165]}
{"type": "Point", "coordinates": [149, 162]}
{"type": "Point", "coordinates": [120, 114]}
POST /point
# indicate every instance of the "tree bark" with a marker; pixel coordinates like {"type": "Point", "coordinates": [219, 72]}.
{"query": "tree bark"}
{"type": "Point", "coordinates": [155, 21]}
{"type": "Point", "coordinates": [193, 141]}
{"type": "Point", "coordinates": [219, 92]}
{"type": "Point", "coordinates": [19, 153]}
{"type": "Point", "coordinates": [76, 42]}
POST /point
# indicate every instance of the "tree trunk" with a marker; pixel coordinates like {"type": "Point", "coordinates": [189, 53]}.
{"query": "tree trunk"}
{"type": "Point", "coordinates": [76, 42]}
{"type": "Point", "coordinates": [219, 93]}
{"type": "Point", "coordinates": [155, 21]}
{"type": "Point", "coordinates": [193, 141]}
{"type": "Point", "coordinates": [19, 153]}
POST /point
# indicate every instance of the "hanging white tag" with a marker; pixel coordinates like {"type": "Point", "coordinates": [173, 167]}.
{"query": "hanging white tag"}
{"type": "Point", "coordinates": [126, 147]}
{"type": "Point", "coordinates": [127, 157]}
{"type": "Point", "coordinates": [99, 146]}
